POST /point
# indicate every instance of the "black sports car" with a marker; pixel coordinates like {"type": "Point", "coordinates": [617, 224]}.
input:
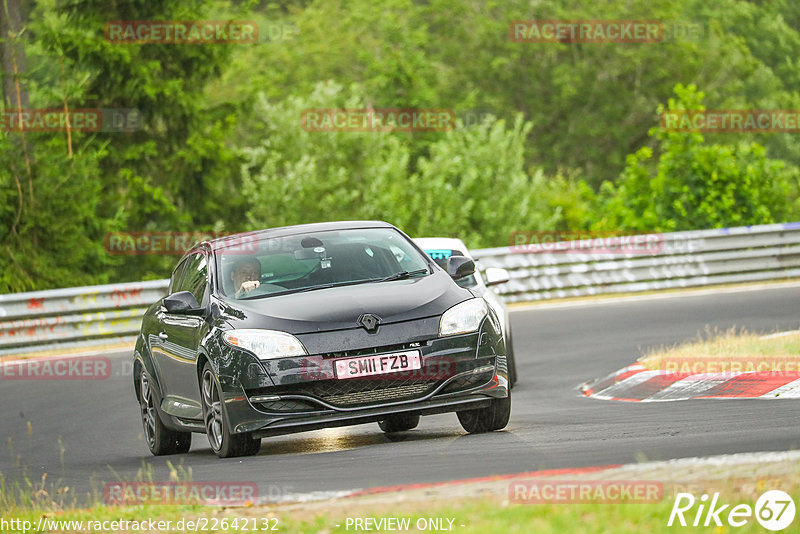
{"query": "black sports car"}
{"type": "Point", "coordinates": [315, 326]}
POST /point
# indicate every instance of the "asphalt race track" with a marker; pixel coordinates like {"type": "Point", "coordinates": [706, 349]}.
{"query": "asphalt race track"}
{"type": "Point", "coordinates": [85, 433]}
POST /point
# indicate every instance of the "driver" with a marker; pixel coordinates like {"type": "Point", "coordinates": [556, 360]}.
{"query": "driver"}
{"type": "Point", "coordinates": [246, 276]}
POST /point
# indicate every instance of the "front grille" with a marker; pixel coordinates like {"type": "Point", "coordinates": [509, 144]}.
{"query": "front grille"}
{"type": "Point", "coordinates": [356, 398]}
{"type": "Point", "coordinates": [400, 347]}
{"type": "Point", "coordinates": [356, 392]}
{"type": "Point", "coordinates": [362, 392]}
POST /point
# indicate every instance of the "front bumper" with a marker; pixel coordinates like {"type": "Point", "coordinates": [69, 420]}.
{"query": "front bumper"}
{"type": "Point", "coordinates": [298, 394]}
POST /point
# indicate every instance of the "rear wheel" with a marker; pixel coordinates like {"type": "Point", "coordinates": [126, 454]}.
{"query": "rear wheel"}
{"type": "Point", "coordinates": [160, 439]}
{"type": "Point", "coordinates": [223, 442]}
{"type": "Point", "coordinates": [493, 417]}
{"type": "Point", "coordinates": [399, 422]}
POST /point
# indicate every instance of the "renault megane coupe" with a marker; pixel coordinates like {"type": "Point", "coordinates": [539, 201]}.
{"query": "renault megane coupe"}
{"type": "Point", "coordinates": [315, 326]}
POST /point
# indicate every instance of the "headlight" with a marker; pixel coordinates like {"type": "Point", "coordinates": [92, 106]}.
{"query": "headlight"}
{"type": "Point", "coordinates": [463, 318]}
{"type": "Point", "coordinates": [266, 344]}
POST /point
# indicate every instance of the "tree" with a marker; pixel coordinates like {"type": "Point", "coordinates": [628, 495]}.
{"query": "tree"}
{"type": "Point", "coordinates": [12, 54]}
{"type": "Point", "coordinates": [293, 175]}
{"type": "Point", "coordinates": [694, 185]}
{"type": "Point", "coordinates": [472, 184]}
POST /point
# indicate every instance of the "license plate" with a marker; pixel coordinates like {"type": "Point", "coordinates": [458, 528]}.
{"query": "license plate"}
{"type": "Point", "coordinates": [379, 364]}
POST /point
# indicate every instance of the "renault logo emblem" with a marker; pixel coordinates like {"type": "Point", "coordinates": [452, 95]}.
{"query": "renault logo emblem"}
{"type": "Point", "coordinates": [369, 322]}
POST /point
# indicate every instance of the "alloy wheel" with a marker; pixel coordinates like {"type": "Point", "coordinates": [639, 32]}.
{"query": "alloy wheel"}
{"type": "Point", "coordinates": [213, 411]}
{"type": "Point", "coordinates": [148, 412]}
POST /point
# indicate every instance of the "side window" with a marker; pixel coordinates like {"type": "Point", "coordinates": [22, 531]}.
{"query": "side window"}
{"type": "Point", "coordinates": [195, 278]}
{"type": "Point", "coordinates": [177, 274]}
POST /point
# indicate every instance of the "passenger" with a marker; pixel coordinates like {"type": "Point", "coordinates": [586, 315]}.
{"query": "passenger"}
{"type": "Point", "coordinates": [246, 276]}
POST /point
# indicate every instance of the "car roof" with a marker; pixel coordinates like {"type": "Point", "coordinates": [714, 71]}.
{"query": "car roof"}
{"type": "Point", "coordinates": [297, 229]}
{"type": "Point", "coordinates": [446, 243]}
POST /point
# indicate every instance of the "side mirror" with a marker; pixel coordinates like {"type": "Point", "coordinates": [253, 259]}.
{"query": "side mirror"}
{"type": "Point", "coordinates": [496, 275]}
{"type": "Point", "coordinates": [182, 303]}
{"type": "Point", "coordinates": [459, 267]}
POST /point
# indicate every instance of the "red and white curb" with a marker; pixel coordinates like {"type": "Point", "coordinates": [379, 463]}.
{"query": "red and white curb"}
{"type": "Point", "coordinates": [751, 468]}
{"type": "Point", "coordinates": [637, 383]}
{"type": "Point", "coordinates": [429, 487]}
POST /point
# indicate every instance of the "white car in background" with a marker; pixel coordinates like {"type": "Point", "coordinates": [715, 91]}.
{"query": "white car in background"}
{"type": "Point", "coordinates": [441, 248]}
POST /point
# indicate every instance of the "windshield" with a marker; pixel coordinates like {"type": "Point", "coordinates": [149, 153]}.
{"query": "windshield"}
{"type": "Point", "coordinates": [306, 262]}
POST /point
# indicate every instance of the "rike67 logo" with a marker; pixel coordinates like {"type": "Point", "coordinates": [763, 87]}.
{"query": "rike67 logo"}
{"type": "Point", "coordinates": [774, 510]}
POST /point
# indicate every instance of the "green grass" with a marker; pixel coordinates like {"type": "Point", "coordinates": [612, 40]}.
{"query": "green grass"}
{"type": "Point", "coordinates": [732, 350]}
{"type": "Point", "coordinates": [486, 516]}
{"type": "Point", "coordinates": [490, 514]}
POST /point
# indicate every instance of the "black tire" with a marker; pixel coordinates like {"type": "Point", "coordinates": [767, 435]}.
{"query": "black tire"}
{"type": "Point", "coordinates": [510, 362]}
{"type": "Point", "coordinates": [493, 417]}
{"type": "Point", "coordinates": [223, 443]}
{"type": "Point", "coordinates": [399, 422]}
{"type": "Point", "coordinates": [160, 439]}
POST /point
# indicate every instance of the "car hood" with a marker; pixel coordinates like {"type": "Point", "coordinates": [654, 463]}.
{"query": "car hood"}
{"type": "Point", "coordinates": [339, 308]}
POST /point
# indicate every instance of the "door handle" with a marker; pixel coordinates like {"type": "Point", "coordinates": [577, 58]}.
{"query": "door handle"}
{"type": "Point", "coordinates": [162, 336]}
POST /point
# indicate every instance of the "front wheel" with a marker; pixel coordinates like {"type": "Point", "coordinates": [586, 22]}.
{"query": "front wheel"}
{"type": "Point", "coordinates": [160, 439]}
{"type": "Point", "coordinates": [223, 443]}
{"type": "Point", "coordinates": [493, 417]}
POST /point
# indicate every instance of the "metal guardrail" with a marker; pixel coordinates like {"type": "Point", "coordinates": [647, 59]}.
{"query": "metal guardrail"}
{"type": "Point", "coordinates": [41, 319]}
{"type": "Point", "coordinates": [680, 259]}
{"type": "Point", "coordinates": [87, 315]}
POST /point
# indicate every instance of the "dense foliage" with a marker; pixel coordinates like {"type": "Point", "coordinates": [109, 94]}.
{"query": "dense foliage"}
{"type": "Point", "coordinates": [552, 135]}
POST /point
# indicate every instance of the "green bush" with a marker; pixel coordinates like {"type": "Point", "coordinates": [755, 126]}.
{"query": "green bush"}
{"type": "Point", "coordinates": [472, 184]}
{"type": "Point", "coordinates": [693, 185]}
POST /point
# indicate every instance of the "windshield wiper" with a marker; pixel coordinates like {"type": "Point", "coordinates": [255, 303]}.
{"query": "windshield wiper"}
{"type": "Point", "coordinates": [402, 275]}
{"type": "Point", "coordinates": [396, 276]}
{"type": "Point", "coordinates": [310, 288]}
{"type": "Point", "coordinates": [334, 284]}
